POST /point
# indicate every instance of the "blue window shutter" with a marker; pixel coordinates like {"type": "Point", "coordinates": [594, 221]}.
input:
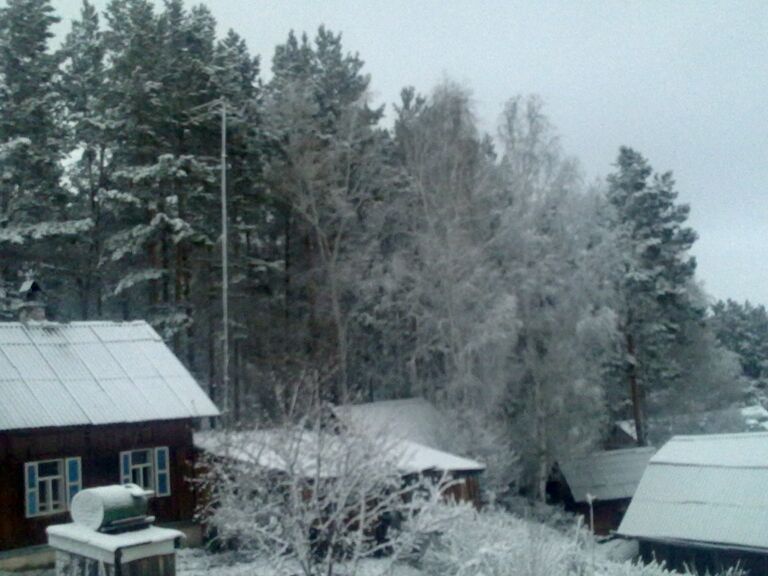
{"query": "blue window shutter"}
{"type": "Point", "coordinates": [30, 488]}
{"type": "Point", "coordinates": [74, 469]}
{"type": "Point", "coordinates": [162, 472]}
{"type": "Point", "coordinates": [125, 467]}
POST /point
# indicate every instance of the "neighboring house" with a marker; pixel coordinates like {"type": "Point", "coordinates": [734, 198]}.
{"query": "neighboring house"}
{"type": "Point", "coordinates": [662, 428]}
{"type": "Point", "coordinates": [419, 425]}
{"type": "Point", "coordinates": [609, 478]}
{"type": "Point", "coordinates": [703, 502]}
{"type": "Point", "coordinates": [87, 404]}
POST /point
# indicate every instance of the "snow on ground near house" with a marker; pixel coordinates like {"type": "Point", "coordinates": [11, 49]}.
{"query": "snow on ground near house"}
{"type": "Point", "coordinates": [195, 562]}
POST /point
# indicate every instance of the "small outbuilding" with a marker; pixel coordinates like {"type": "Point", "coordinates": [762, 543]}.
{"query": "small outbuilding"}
{"type": "Point", "coordinates": [609, 478]}
{"type": "Point", "coordinates": [88, 404]}
{"type": "Point", "coordinates": [703, 502]}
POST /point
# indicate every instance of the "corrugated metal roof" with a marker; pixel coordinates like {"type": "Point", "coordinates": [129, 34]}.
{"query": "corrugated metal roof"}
{"type": "Point", "coordinates": [609, 475]}
{"type": "Point", "coordinates": [707, 489]}
{"type": "Point", "coordinates": [92, 373]}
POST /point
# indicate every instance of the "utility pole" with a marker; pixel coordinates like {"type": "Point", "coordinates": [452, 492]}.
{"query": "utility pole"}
{"type": "Point", "coordinates": [224, 264]}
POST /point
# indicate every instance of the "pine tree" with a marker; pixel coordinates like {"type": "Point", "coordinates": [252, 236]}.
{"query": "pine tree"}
{"type": "Point", "coordinates": [83, 87]}
{"type": "Point", "coordinates": [656, 277]}
{"type": "Point", "coordinates": [33, 204]}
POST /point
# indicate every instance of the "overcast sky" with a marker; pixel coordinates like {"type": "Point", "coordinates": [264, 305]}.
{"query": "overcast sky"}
{"type": "Point", "coordinates": [685, 83]}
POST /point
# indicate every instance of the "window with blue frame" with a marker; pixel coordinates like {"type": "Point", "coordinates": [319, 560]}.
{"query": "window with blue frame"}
{"type": "Point", "coordinates": [148, 468]}
{"type": "Point", "coordinates": [50, 485]}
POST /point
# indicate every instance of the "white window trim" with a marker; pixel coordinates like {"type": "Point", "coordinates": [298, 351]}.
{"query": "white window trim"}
{"type": "Point", "coordinates": [126, 475]}
{"type": "Point", "coordinates": [63, 478]}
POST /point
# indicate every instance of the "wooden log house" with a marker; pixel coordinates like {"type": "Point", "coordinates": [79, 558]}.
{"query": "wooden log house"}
{"type": "Point", "coordinates": [87, 404]}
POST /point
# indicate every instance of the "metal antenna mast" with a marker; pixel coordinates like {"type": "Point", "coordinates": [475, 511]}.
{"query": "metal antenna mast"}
{"type": "Point", "coordinates": [224, 261]}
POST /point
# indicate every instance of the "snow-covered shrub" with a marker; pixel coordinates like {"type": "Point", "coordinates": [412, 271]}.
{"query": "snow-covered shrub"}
{"type": "Point", "coordinates": [497, 543]}
{"type": "Point", "coordinates": [312, 498]}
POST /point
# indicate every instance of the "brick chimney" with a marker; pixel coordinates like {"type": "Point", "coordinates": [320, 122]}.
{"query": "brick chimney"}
{"type": "Point", "coordinates": [32, 305]}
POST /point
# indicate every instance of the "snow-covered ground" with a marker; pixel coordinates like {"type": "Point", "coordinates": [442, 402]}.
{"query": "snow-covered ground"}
{"type": "Point", "coordinates": [491, 543]}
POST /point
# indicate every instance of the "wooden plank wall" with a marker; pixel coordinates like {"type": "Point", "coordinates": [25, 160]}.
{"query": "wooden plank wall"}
{"type": "Point", "coordinates": [99, 447]}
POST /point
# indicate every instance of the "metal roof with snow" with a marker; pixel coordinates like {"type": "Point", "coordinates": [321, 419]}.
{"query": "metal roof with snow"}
{"type": "Point", "coordinates": [706, 490]}
{"type": "Point", "coordinates": [302, 451]}
{"type": "Point", "coordinates": [609, 475]}
{"type": "Point", "coordinates": [81, 373]}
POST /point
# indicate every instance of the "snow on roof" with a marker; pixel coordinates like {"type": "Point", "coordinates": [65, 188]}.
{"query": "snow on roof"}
{"type": "Point", "coordinates": [412, 419]}
{"type": "Point", "coordinates": [302, 452]}
{"type": "Point", "coordinates": [80, 373]}
{"type": "Point", "coordinates": [415, 457]}
{"type": "Point", "coordinates": [708, 489]}
{"type": "Point", "coordinates": [609, 475]}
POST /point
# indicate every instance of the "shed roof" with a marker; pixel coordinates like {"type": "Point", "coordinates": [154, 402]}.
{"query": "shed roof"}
{"type": "Point", "coordinates": [412, 419]}
{"type": "Point", "coordinates": [303, 451]}
{"type": "Point", "coordinates": [609, 475]}
{"type": "Point", "coordinates": [54, 374]}
{"type": "Point", "coordinates": [704, 489]}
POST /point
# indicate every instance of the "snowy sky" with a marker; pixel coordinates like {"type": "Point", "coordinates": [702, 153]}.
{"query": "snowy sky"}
{"type": "Point", "coordinates": [683, 82]}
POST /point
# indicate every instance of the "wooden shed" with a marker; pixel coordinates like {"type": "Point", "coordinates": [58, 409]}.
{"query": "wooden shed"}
{"type": "Point", "coordinates": [86, 404]}
{"type": "Point", "coordinates": [610, 478]}
{"type": "Point", "coordinates": [703, 502]}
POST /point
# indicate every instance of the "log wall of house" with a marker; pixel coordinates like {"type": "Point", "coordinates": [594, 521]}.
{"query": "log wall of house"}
{"type": "Point", "coordinates": [607, 514]}
{"type": "Point", "coordinates": [466, 488]}
{"type": "Point", "coordinates": [99, 448]}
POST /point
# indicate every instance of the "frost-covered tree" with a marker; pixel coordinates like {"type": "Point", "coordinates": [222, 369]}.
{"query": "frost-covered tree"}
{"type": "Point", "coordinates": [743, 329]}
{"type": "Point", "coordinates": [556, 257]}
{"type": "Point", "coordinates": [324, 173]}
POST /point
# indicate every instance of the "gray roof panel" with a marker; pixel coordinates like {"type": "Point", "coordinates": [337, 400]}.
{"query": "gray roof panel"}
{"type": "Point", "coordinates": [709, 489]}
{"type": "Point", "coordinates": [608, 475]}
{"type": "Point", "coordinates": [92, 373]}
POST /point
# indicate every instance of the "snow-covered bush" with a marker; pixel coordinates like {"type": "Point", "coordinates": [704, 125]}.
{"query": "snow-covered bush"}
{"type": "Point", "coordinates": [314, 498]}
{"type": "Point", "coordinates": [497, 543]}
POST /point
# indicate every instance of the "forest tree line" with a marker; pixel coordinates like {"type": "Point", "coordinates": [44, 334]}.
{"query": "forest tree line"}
{"type": "Point", "coordinates": [379, 258]}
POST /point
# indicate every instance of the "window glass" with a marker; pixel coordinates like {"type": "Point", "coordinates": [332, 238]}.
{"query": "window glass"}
{"type": "Point", "coordinates": [46, 486]}
{"type": "Point", "coordinates": [50, 468]}
{"type": "Point", "coordinates": [140, 457]}
{"type": "Point", "coordinates": [147, 468]}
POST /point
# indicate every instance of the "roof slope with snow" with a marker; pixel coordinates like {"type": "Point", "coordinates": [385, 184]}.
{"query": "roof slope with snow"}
{"type": "Point", "coordinates": [609, 475]}
{"type": "Point", "coordinates": [54, 375]}
{"type": "Point", "coordinates": [704, 489]}
{"type": "Point", "coordinates": [310, 454]}
{"type": "Point", "coordinates": [412, 419]}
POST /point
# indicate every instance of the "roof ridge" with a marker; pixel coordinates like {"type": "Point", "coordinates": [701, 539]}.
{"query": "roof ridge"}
{"type": "Point", "coordinates": [52, 323]}
{"type": "Point", "coordinates": [716, 437]}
